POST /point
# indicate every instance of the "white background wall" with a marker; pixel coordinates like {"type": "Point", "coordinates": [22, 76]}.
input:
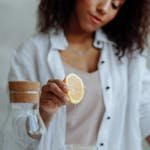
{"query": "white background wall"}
{"type": "Point", "coordinates": [17, 23]}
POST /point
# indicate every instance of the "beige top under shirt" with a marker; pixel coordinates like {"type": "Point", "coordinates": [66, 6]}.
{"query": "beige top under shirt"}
{"type": "Point", "coordinates": [84, 119]}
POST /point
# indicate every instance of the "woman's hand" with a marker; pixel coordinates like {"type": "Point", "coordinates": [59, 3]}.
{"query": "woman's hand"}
{"type": "Point", "coordinates": [53, 96]}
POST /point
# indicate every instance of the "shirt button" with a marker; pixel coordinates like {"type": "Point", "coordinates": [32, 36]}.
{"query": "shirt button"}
{"type": "Point", "coordinates": [102, 62]}
{"type": "Point", "coordinates": [108, 118]}
{"type": "Point", "coordinates": [98, 42]}
{"type": "Point", "coordinates": [107, 88]}
{"type": "Point", "coordinates": [101, 144]}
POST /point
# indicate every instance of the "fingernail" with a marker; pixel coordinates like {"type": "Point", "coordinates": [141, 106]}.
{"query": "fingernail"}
{"type": "Point", "coordinates": [67, 98]}
{"type": "Point", "coordinates": [66, 87]}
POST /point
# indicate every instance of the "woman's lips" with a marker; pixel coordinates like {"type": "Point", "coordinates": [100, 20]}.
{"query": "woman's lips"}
{"type": "Point", "coordinates": [96, 20]}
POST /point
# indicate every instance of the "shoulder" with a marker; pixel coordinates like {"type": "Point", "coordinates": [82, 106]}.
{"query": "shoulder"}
{"type": "Point", "coordinates": [38, 43]}
{"type": "Point", "coordinates": [137, 55]}
{"type": "Point", "coordinates": [138, 62]}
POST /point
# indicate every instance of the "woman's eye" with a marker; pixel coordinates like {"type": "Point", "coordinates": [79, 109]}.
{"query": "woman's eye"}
{"type": "Point", "coordinates": [115, 5]}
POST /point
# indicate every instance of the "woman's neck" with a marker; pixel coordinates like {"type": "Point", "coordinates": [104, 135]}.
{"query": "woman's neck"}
{"type": "Point", "coordinates": [76, 35]}
{"type": "Point", "coordinates": [79, 40]}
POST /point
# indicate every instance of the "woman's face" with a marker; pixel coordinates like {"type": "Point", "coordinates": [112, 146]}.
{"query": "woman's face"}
{"type": "Point", "coordinates": [92, 14]}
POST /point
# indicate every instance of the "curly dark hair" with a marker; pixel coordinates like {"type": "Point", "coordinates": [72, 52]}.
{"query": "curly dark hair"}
{"type": "Point", "coordinates": [129, 30]}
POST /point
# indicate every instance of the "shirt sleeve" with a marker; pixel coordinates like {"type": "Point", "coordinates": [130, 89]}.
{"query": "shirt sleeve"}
{"type": "Point", "coordinates": [23, 67]}
{"type": "Point", "coordinates": [145, 102]}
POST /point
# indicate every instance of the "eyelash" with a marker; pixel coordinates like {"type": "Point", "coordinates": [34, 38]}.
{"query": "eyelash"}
{"type": "Point", "coordinates": [115, 6]}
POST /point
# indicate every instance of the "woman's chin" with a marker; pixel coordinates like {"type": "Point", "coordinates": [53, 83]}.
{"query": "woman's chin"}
{"type": "Point", "coordinates": [90, 29]}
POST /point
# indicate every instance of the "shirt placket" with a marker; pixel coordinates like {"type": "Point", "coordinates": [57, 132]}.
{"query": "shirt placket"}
{"type": "Point", "coordinates": [106, 81]}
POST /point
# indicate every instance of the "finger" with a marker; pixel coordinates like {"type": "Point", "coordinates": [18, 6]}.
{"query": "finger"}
{"type": "Point", "coordinates": [62, 85]}
{"type": "Point", "coordinates": [50, 96]}
{"type": "Point", "coordinates": [48, 106]}
{"type": "Point", "coordinates": [51, 99]}
{"type": "Point", "coordinates": [46, 89]}
{"type": "Point", "coordinates": [57, 91]}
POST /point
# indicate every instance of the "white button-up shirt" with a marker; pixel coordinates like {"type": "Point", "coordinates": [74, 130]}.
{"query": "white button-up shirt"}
{"type": "Point", "coordinates": [125, 88]}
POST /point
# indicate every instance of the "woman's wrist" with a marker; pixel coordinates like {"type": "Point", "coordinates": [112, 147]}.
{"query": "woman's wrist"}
{"type": "Point", "coordinates": [46, 117]}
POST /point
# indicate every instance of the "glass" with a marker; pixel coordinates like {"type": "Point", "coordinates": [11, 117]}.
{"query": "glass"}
{"type": "Point", "coordinates": [24, 119]}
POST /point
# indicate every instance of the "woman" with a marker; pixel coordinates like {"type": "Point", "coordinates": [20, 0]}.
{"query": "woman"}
{"type": "Point", "coordinates": [104, 42]}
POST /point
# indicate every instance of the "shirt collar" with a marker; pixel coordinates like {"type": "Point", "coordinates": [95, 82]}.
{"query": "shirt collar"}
{"type": "Point", "coordinates": [59, 42]}
{"type": "Point", "coordinates": [101, 39]}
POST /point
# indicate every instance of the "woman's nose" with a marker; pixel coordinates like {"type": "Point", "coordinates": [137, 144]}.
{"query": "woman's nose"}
{"type": "Point", "coordinates": [104, 6]}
